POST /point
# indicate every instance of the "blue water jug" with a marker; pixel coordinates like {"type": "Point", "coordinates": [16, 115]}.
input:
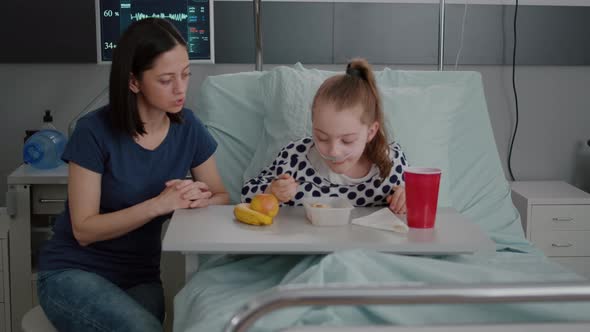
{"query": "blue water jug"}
{"type": "Point", "coordinates": [43, 150]}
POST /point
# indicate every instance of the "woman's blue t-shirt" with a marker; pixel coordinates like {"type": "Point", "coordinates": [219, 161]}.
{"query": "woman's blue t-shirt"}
{"type": "Point", "coordinates": [131, 174]}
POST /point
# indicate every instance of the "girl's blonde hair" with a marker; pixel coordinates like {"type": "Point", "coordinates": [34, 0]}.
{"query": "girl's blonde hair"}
{"type": "Point", "coordinates": [358, 87]}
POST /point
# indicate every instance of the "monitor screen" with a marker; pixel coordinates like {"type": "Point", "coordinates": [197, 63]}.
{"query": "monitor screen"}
{"type": "Point", "coordinates": [193, 18]}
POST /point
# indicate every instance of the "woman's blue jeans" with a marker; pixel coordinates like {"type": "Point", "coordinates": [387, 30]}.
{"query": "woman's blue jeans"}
{"type": "Point", "coordinates": [76, 300]}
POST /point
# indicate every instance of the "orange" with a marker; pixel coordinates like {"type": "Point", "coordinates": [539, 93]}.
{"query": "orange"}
{"type": "Point", "coordinates": [266, 204]}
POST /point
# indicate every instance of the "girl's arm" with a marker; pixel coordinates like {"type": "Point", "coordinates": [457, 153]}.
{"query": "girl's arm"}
{"type": "Point", "coordinates": [400, 160]}
{"type": "Point", "coordinates": [89, 226]}
{"type": "Point", "coordinates": [259, 184]}
{"type": "Point", "coordinates": [397, 200]}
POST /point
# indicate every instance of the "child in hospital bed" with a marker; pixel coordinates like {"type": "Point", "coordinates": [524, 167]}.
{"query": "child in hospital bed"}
{"type": "Point", "coordinates": [348, 154]}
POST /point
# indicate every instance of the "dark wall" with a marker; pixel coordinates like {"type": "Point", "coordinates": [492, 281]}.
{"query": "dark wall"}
{"type": "Point", "coordinates": [47, 31]}
{"type": "Point", "coordinates": [63, 31]}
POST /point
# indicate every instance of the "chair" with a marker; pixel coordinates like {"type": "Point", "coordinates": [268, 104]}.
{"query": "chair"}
{"type": "Point", "coordinates": [36, 321]}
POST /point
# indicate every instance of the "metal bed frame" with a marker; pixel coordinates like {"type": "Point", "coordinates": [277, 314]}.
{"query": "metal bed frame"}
{"type": "Point", "coordinates": [406, 294]}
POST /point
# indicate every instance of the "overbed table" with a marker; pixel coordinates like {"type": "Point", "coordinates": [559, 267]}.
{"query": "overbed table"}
{"type": "Point", "coordinates": [214, 230]}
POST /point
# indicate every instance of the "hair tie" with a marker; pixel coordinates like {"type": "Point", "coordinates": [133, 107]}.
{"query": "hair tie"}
{"type": "Point", "coordinates": [354, 72]}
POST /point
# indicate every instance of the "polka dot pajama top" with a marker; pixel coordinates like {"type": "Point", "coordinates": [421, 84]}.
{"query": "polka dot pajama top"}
{"type": "Point", "coordinates": [293, 160]}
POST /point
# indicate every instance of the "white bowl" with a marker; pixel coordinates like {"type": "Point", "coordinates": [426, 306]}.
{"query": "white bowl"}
{"type": "Point", "coordinates": [336, 211]}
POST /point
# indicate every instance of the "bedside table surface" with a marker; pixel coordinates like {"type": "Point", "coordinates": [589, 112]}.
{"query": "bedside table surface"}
{"type": "Point", "coordinates": [26, 174]}
{"type": "Point", "coordinates": [214, 230]}
{"type": "Point", "coordinates": [550, 192]}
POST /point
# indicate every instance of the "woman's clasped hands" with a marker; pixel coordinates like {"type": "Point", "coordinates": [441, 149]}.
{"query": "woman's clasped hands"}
{"type": "Point", "coordinates": [184, 194]}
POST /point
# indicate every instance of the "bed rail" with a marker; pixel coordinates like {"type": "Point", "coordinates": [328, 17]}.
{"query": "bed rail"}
{"type": "Point", "coordinates": [290, 296]}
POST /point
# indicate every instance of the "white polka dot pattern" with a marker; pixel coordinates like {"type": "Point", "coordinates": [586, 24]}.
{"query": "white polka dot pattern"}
{"type": "Point", "coordinates": [293, 160]}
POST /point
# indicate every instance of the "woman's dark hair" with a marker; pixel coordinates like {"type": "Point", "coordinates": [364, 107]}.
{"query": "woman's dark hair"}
{"type": "Point", "coordinates": [358, 87]}
{"type": "Point", "coordinates": [136, 51]}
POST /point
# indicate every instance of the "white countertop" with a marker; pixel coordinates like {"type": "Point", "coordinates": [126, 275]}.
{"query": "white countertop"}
{"type": "Point", "coordinates": [26, 174]}
{"type": "Point", "coordinates": [550, 192]}
{"type": "Point", "coordinates": [214, 230]}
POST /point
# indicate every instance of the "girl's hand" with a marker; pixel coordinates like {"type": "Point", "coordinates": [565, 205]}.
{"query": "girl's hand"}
{"type": "Point", "coordinates": [397, 201]}
{"type": "Point", "coordinates": [195, 191]}
{"type": "Point", "coordinates": [284, 188]}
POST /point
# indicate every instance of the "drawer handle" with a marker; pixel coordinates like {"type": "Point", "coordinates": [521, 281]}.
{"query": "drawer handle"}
{"type": "Point", "coordinates": [557, 245]}
{"type": "Point", "coordinates": [52, 200]}
{"type": "Point", "coordinates": [557, 219]}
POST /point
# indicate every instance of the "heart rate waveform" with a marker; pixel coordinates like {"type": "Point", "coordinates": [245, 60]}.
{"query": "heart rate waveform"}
{"type": "Point", "coordinates": [175, 17]}
{"type": "Point", "coordinates": [190, 17]}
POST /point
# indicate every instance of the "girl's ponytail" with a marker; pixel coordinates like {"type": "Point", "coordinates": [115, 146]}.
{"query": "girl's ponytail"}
{"type": "Point", "coordinates": [377, 150]}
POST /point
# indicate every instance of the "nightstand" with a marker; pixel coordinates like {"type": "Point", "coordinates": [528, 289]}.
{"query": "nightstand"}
{"type": "Point", "coordinates": [556, 219]}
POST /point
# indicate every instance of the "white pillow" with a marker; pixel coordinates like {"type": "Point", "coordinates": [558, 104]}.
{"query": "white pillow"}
{"type": "Point", "coordinates": [418, 118]}
{"type": "Point", "coordinates": [287, 94]}
{"type": "Point", "coordinates": [231, 107]}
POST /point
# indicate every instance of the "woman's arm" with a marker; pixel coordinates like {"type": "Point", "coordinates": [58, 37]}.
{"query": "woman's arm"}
{"type": "Point", "coordinates": [207, 173]}
{"type": "Point", "coordinates": [89, 226]}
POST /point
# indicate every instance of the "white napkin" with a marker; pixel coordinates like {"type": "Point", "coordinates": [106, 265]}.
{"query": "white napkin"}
{"type": "Point", "coordinates": [382, 219]}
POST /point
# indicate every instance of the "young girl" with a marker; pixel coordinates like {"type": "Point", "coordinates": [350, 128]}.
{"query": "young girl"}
{"type": "Point", "coordinates": [127, 166]}
{"type": "Point", "coordinates": [348, 155]}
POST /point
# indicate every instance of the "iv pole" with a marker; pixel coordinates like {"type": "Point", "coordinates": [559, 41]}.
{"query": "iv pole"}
{"type": "Point", "coordinates": [258, 34]}
{"type": "Point", "coordinates": [441, 36]}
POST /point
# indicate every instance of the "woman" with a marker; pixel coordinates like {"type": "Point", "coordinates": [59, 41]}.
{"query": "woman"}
{"type": "Point", "coordinates": [127, 167]}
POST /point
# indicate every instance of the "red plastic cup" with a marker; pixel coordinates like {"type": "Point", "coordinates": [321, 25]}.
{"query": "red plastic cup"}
{"type": "Point", "coordinates": [421, 195]}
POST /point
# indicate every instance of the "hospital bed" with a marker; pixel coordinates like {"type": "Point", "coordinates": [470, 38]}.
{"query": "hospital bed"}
{"type": "Point", "coordinates": [441, 120]}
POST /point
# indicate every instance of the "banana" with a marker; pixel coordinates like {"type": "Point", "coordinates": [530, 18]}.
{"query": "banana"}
{"type": "Point", "coordinates": [245, 214]}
